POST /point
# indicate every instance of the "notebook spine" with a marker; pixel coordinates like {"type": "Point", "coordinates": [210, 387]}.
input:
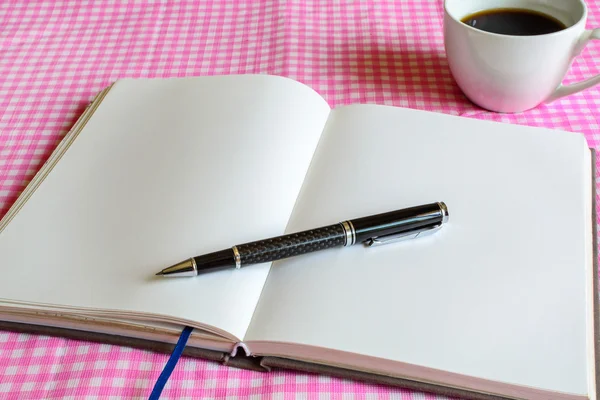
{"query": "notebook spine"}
{"type": "Point", "coordinates": [241, 357]}
{"type": "Point", "coordinates": [240, 345]}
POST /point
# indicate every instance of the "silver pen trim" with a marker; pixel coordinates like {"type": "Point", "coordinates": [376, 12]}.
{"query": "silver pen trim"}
{"type": "Point", "coordinates": [381, 240]}
{"type": "Point", "coordinates": [236, 257]}
{"type": "Point", "coordinates": [350, 238]}
{"type": "Point", "coordinates": [444, 209]}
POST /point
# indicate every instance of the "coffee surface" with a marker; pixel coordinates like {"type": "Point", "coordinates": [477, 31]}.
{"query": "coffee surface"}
{"type": "Point", "coordinates": [517, 22]}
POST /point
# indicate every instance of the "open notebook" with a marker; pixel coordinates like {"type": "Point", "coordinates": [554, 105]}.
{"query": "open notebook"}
{"type": "Point", "coordinates": [497, 304]}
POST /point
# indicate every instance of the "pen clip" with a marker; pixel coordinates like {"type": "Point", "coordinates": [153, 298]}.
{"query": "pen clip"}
{"type": "Point", "coordinates": [398, 237]}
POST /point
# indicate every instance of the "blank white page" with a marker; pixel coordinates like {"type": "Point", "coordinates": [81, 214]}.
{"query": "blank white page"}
{"type": "Point", "coordinates": [498, 293]}
{"type": "Point", "coordinates": [166, 169]}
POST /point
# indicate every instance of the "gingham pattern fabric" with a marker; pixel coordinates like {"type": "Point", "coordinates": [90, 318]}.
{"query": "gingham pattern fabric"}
{"type": "Point", "coordinates": [56, 55]}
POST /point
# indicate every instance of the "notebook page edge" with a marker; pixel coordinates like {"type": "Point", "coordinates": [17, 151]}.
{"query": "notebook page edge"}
{"type": "Point", "coordinates": [55, 157]}
{"type": "Point", "coordinates": [398, 369]}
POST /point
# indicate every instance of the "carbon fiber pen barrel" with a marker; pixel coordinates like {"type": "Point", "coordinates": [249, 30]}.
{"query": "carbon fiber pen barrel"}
{"type": "Point", "coordinates": [291, 245]}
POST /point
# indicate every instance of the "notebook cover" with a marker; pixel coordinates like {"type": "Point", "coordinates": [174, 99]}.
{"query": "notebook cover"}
{"type": "Point", "coordinates": [241, 361]}
{"type": "Point", "coordinates": [268, 363]}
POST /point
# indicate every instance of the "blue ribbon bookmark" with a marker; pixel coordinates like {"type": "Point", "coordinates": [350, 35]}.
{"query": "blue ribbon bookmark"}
{"type": "Point", "coordinates": [171, 363]}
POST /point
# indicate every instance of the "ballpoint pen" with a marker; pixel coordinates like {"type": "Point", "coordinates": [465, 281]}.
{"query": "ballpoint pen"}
{"type": "Point", "coordinates": [407, 223]}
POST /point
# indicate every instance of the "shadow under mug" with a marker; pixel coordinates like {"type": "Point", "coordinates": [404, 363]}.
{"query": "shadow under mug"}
{"type": "Point", "coordinates": [505, 73]}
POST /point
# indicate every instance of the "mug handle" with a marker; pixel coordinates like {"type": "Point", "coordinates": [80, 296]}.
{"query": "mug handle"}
{"type": "Point", "coordinates": [563, 90]}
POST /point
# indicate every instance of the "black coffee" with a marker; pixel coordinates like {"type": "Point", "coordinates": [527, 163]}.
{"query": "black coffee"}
{"type": "Point", "coordinates": [513, 21]}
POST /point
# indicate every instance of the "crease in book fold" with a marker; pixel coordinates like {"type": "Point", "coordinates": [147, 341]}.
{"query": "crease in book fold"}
{"type": "Point", "coordinates": [499, 304]}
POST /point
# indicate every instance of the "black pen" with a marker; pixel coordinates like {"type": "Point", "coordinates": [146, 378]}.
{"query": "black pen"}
{"type": "Point", "coordinates": [408, 223]}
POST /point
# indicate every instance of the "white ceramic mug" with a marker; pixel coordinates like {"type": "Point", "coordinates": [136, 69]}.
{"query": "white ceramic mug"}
{"type": "Point", "coordinates": [506, 73]}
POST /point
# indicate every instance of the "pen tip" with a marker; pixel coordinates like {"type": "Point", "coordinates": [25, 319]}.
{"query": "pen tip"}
{"type": "Point", "coordinates": [184, 268]}
{"type": "Point", "coordinates": [159, 273]}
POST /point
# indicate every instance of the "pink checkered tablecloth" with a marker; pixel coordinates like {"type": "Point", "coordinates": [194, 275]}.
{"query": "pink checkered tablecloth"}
{"type": "Point", "coordinates": [56, 55]}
